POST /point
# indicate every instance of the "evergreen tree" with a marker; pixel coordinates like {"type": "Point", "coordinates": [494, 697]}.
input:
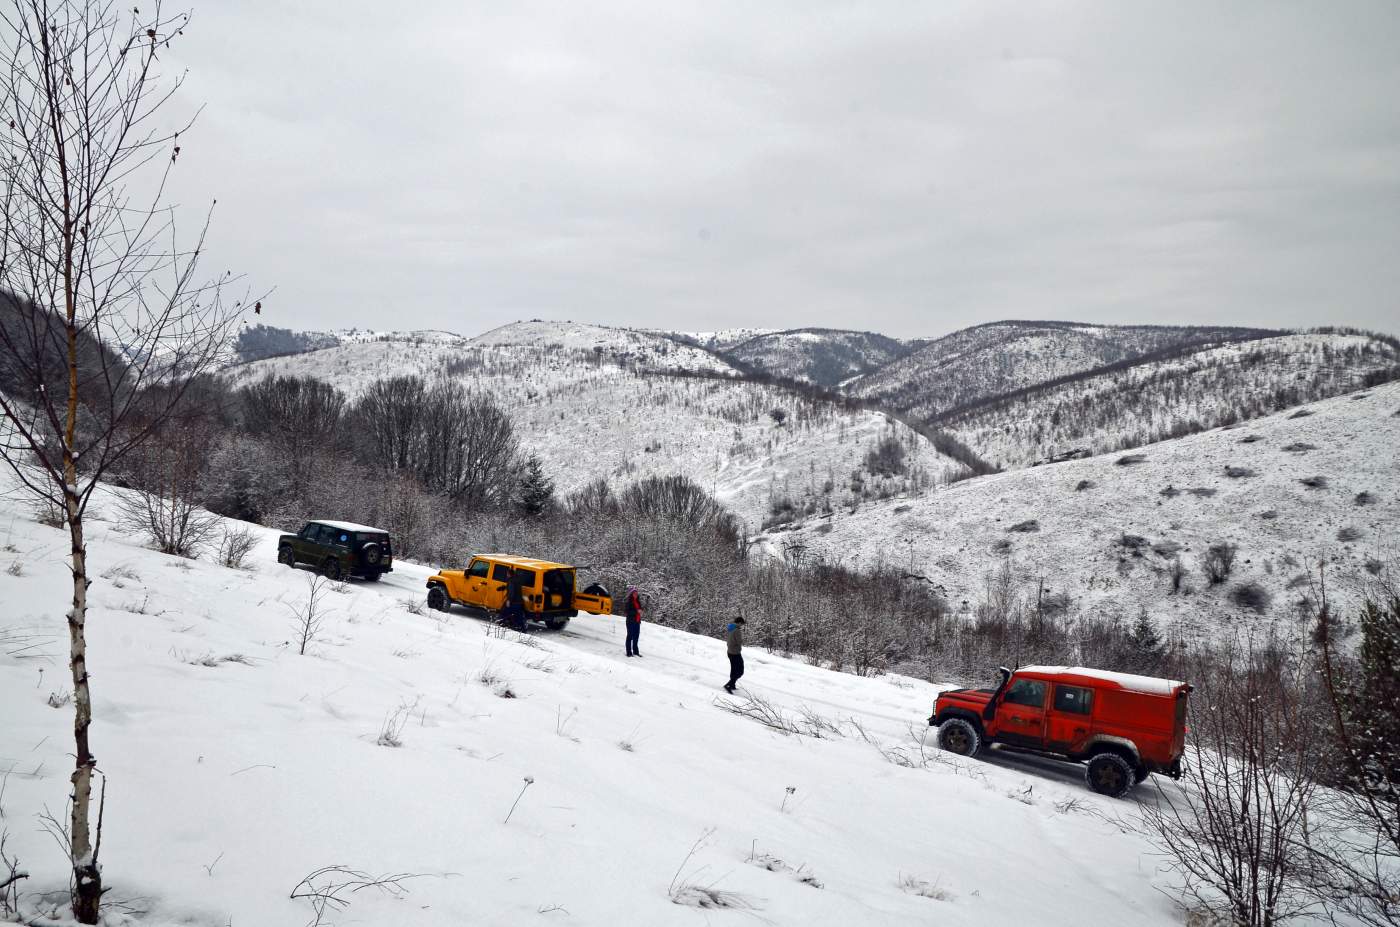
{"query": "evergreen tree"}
{"type": "Point", "coordinates": [1147, 644]}
{"type": "Point", "coordinates": [1377, 702]}
{"type": "Point", "coordinates": [535, 492]}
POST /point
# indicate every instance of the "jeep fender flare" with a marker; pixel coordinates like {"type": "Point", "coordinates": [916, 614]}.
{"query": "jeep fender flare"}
{"type": "Point", "coordinates": [1108, 743]}
{"type": "Point", "coordinates": [971, 717]}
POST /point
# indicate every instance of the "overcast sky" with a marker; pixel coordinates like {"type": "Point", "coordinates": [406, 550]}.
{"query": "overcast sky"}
{"type": "Point", "coordinates": [910, 168]}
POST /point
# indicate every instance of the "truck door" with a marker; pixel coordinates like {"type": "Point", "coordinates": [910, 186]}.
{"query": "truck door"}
{"type": "Point", "coordinates": [474, 582]}
{"type": "Point", "coordinates": [1067, 725]}
{"type": "Point", "coordinates": [1020, 719]}
{"type": "Point", "coordinates": [496, 589]}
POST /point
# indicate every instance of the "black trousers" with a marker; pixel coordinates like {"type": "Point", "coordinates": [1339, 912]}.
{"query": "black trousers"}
{"type": "Point", "coordinates": [736, 668]}
{"type": "Point", "coordinates": [634, 633]}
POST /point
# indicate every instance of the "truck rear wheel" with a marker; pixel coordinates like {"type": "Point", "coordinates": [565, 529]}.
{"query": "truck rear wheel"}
{"type": "Point", "coordinates": [286, 556]}
{"type": "Point", "coordinates": [1110, 774]}
{"type": "Point", "coordinates": [960, 736]}
{"type": "Point", "coordinates": [330, 569]}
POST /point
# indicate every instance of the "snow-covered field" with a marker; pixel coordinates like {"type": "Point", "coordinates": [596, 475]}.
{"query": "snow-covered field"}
{"type": "Point", "coordinates": [235, 767]}
{"type": "Point", "coordinates": [1110, 545]}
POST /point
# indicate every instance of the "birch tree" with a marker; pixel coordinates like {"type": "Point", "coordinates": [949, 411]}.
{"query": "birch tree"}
{"type": "Point", "coordinates": [101, 302]}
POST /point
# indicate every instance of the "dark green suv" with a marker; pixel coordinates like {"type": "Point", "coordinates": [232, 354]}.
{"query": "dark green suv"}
{"type": "Point", "coordinates": [338, 549]}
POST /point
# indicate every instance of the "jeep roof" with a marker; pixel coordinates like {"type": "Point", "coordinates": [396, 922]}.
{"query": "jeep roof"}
{"type": "Point", "coordinates": [347, 526]}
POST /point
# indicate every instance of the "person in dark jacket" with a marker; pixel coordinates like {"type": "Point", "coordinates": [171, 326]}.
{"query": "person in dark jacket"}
{"type": "Point", "coordinates": [514, 612]}
{"type": "Point", "coordinates": [734, 646]}
{"type": "Point", "coordinates": [633, 610]}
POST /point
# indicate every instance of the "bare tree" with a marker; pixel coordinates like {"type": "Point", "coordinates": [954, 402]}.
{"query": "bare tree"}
{"type": "Point", "coordinates": [1237, 828]}
{"type": "Point", "coordinates": [101, 300]}
{"type": "Point", "coordinates": [310, 616]}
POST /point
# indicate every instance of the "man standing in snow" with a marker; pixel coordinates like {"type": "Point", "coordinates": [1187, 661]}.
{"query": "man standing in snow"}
{"type": "Point", "coordinates": [514, 612]}
{"type": "Point", "coordinates": [634, 620]}
{"type": "Point", "coordinates": [734, 645]}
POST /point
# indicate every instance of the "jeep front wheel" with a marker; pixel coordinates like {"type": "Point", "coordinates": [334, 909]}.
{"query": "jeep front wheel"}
{"type": "Point", "coordinates": [437, 598]}
{"type": "Point", "coordinates": [959, 736]}
{"type": "Point", "coordinates": [285, 555]}
{"type": "Point", "coordinates": [330, 568]}
{"type": "Point", "coordinates": [1109, 774]}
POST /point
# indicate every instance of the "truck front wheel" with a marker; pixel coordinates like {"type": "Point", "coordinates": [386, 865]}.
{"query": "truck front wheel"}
{"type": "Point", "coordinates": [437, 598]}
{"type": "Point", "coordinates": [957, 735]}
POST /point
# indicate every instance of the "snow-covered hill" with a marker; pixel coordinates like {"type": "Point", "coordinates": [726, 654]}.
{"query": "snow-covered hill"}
{"type": "Point", "coordinates": [1320, 484]}
{"type": "Point", "coordinates": [612, 392]}
{"type": "Point", "coordinates": [507, 779]}
{"type": "Point", "coordinates": [824, 356]}
{"type": "Point", "coordinates": [1171, 396]}
{"type": "Point", "coordinates": [1000, 357]}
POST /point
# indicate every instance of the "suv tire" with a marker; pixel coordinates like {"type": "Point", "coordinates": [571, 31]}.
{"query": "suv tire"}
{"type": "Point", "coordinates": [437, 599]}
{"type": "Point", "coordinates": [1110, 774]}
{"type": "Point", "coordinates": [287, 556]}
{"type": "Point", "coordinates": [959, 736]}
{"type": "Point", "coordinates": [330, 569]}
{"type": "Point", "coordinates": [373, 554]}
{"type": "Point", "coordinates": [555, 624]}
{"type": "Point", "coordinates": [373, 576]}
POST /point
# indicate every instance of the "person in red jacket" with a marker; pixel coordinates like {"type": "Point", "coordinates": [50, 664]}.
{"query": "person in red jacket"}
{"type": "Point", "coordinates": [633, 611]}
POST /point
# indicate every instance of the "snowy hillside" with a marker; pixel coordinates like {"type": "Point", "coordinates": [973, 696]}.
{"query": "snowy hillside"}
{"type": "Point", "coordinates": [824, 356]}
{"type": "Point", "coordinates": [1320, 483]}
{"type": "Point", "coordinates": [401, 743]}
{"type": "Point", "coordinates": [574, 387]}
{"type": "Point", "coordinates": [989, 360]}
{"type": "Point", "coordinates": [1142, 403]}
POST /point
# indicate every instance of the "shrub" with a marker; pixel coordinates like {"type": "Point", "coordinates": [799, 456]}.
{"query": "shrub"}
{"type": "Point", "coordinates": [1202, 492]}
{"type": "Point", "coordinates": [1301, 413]}
{"type": "Point", "coordinates": [1083, 485]}
{"type": "Point", "coordinates": [1251, 596]}
{"type": "Point", "coordinates": [1299, 447]}
{"type": "Point", "coordinates": [1128, 460]}
{"type": "Point", "coordinates": [1365, 498]}
{"type": "Point", "coordinates": [1314, 482]}
{"type": "Point", "coordinates": [1348, 534]}
{"type": "Point", "coordinates": [1270, 515]}
{"type": "Point", "coordinates": [1171, 492]}
{"type": "Point", "coordinates": [1250, 439]}
{"type": "Point", "coordinates": [1220, 562]}
{"type": "Point", "coordinates": [238, 542]}
{"type": "Point", "coordinates": [1239, 473]}
{"type": "Point", "coordinates": [1025, 526]}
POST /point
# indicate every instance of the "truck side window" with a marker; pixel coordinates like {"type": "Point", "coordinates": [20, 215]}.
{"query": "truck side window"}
{"type": "Point", "coordinates": [1026, 692]}
{"type": "Point", "coordinates": [479, 569]}
{"type": "Point", "coordinates": [501, 573]}
{"type": "Point", "coordinates": [1074, 700]}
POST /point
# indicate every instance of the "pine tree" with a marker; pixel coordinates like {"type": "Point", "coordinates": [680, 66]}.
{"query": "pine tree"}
{"type": "Point", "coordinates": [1377, 703]}
{"type": "Point", "coordinates": [1147, 644]}
{"type": "Point", "coordinates": [535, 492]}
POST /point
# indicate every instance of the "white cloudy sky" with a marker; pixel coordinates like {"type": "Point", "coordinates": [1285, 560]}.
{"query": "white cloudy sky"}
{"type": "Point", "coordinates": [905, 167]}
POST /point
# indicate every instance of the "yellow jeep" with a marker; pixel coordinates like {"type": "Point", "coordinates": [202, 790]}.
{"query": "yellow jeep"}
{"type": "Point", "coordinates": [548, 589]}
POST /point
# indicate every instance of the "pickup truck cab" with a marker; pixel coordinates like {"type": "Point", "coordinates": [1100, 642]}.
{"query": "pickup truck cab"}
{"type": "Point", "coordinates": [1120, 725]}
{"type": "Point", "coordinates": [547, 588]}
